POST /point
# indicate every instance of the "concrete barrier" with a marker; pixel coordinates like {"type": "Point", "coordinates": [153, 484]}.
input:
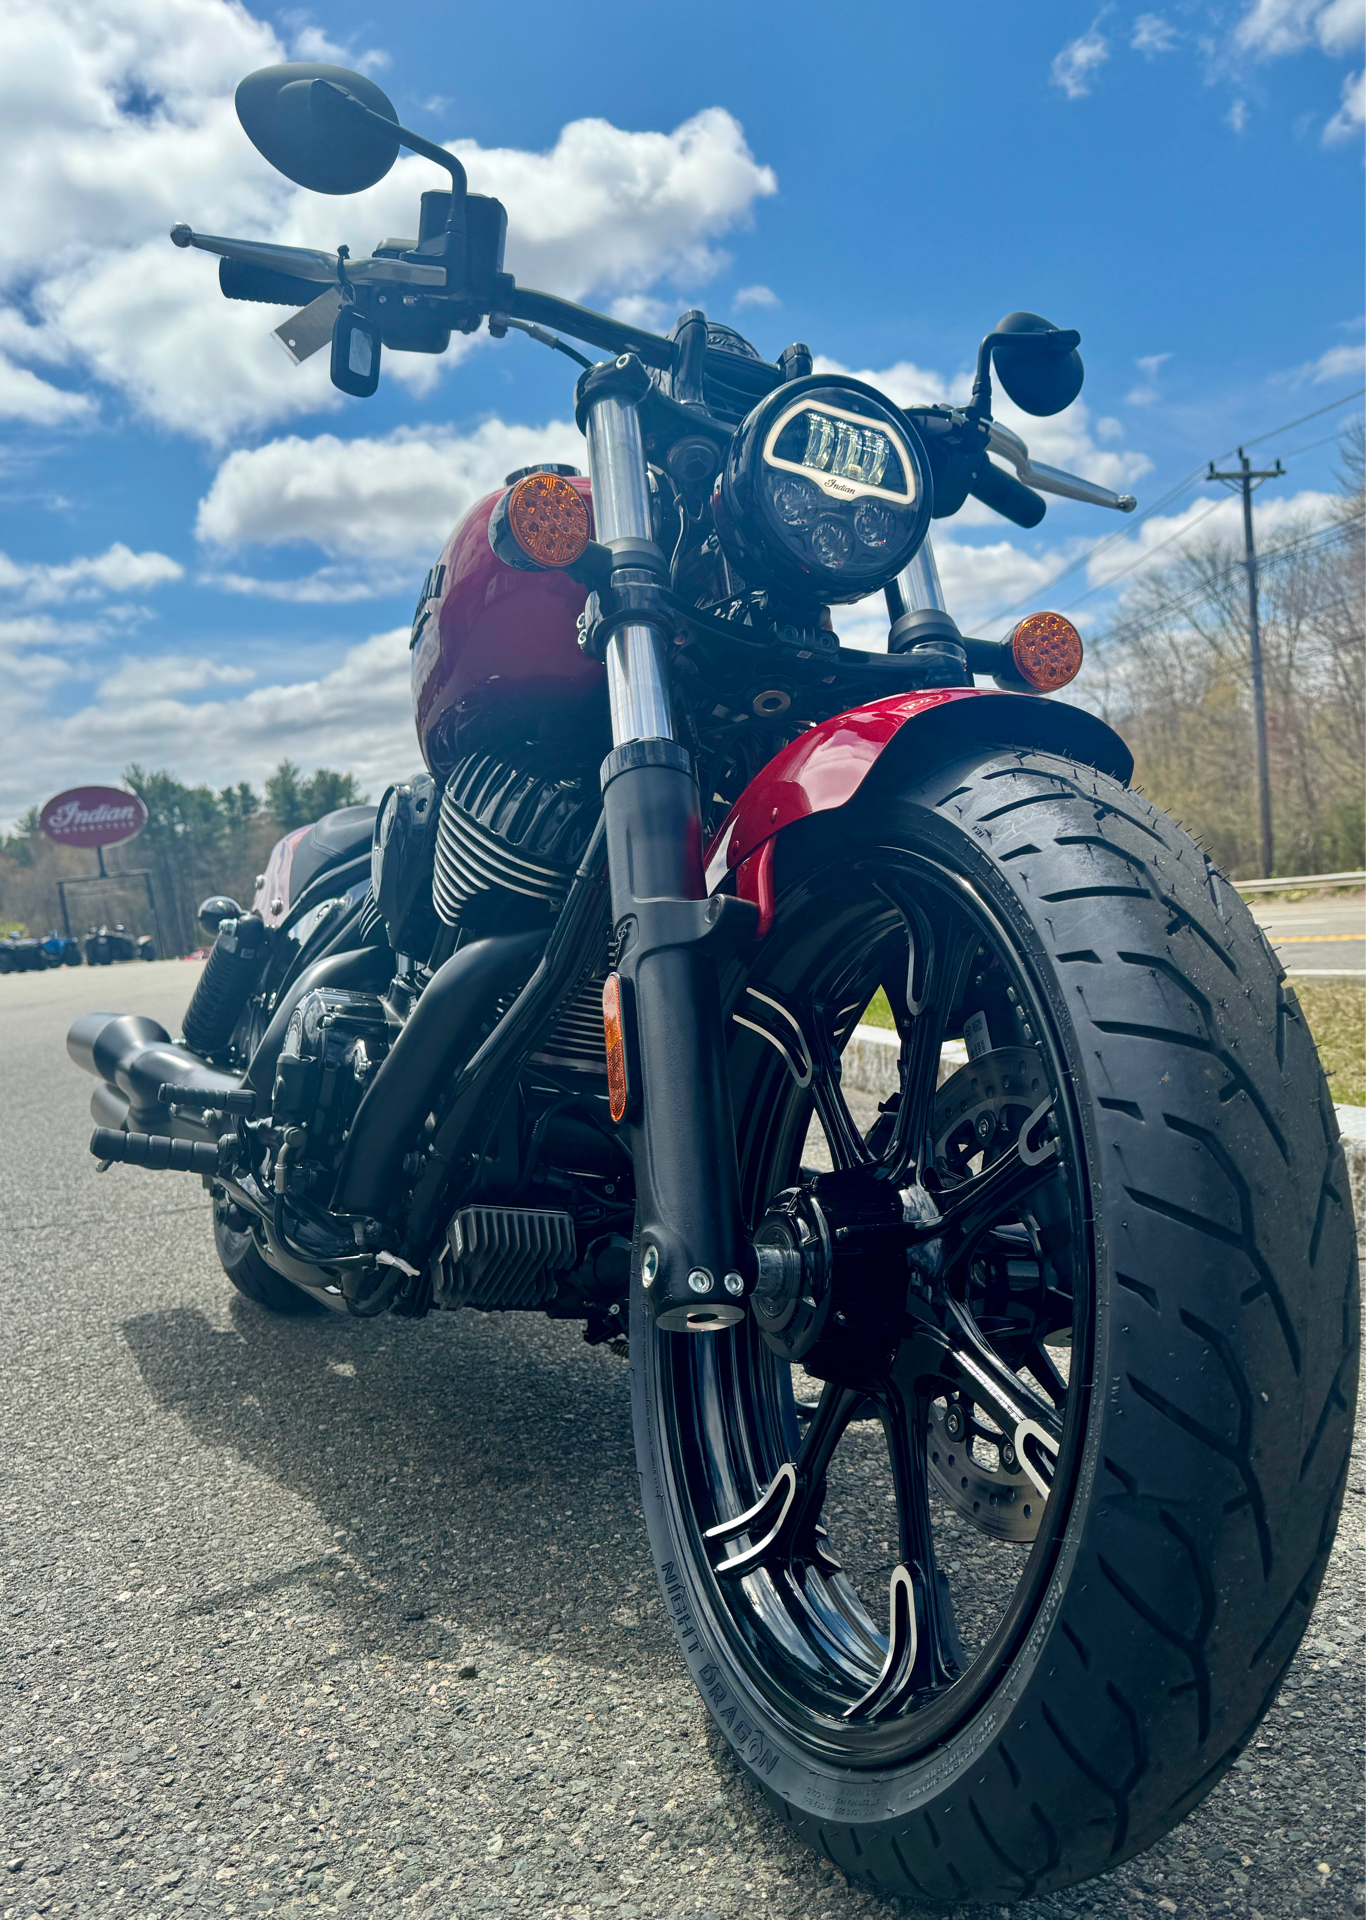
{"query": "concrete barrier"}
{"type": "Point", "coordinates": [870, 1066]}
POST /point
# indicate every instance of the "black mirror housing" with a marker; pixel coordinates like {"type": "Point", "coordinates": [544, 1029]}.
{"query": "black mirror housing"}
{"type": "Point", "coordinates": [306, 131]}
{"type": "Point", "coordinates": [1038, 363]}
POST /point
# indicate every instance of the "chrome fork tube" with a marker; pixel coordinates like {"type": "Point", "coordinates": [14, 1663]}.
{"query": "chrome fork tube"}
{"type": "Point", "coordinates": [637, 685]}
{"type": "Point", "coordinates": [917, 586]}
{"type": "Point", "coordinates": [694, 1260]}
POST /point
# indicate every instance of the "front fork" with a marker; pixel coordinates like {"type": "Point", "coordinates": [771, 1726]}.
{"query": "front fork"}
{"type": "Point", "coordinates": [696, 1263]}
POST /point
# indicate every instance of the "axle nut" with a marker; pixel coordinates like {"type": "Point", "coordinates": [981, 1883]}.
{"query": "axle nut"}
{"type": "Point", "coordinates": [649, 1266]}
{"type": "Point", "coordinates": [733, 1283]}
{"type": "Point", "coordinates": [700, 1280]}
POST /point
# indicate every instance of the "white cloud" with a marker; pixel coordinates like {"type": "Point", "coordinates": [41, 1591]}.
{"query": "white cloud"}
{"type": "Point", "coordinates": [1150, 365]}
{"type": "Point", "coordinates": [23, 396]}
{"type": "Point", "coordinates": [758, 296]}
{"type": "Point", "coordinates": [1351, 115]}
{"type": "Point", "coordinates": [1076, 66]}
{"type": "Point", "coordinates": [1152, 34]}
{"type": "Point", "coordinates": [390, 498]}
{"type": "Point", "coordinates": [117, 570]}
{"type": "Point", "coordinates": [1338, 363]}
{"type": "Point", "coordinates": [117, 120]}
{"type": "Point", "coordinates": [1271, 28]}
{"type": "Point", "coordinates": [356, 716]}
{"type": "Point", "coordinates": [1237, 116]}
{"type": "Point", "coordinates": [141, 677]}
{"type": "Point", "coordinates": [1158, 539]}
{"type": "Point", "coordinates": [328, 586]}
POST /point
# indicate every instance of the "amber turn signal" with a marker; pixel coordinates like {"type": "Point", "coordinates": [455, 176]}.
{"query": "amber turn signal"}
{"type": "Point", "coordinates": [548, 519]}
{"type": "Point", "coordinates": [617, 1095]}
{"type": "Point", "coordinates": [1047, 651]}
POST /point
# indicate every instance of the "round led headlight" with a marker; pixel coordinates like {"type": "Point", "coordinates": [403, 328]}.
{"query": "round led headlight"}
{"type": "Point", "coordinates": [826, 491]}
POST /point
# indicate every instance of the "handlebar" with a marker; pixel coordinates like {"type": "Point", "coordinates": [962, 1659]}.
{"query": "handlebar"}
{"type": "Point", "coordinates": [259, 270]}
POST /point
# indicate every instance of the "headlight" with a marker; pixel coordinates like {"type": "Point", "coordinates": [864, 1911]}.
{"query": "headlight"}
{"type": "Point", "coordinates": [826, 491]}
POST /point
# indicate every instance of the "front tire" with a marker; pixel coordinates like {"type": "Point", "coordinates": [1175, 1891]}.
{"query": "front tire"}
{"type": "Point", "coordinates": [251, 1274]}
{"type": "Point", "coordinates": [1198, 1229]}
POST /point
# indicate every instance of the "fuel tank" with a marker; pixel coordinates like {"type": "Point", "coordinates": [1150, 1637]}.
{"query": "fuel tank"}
{"type": "Point", "coordinates": [496, 664]}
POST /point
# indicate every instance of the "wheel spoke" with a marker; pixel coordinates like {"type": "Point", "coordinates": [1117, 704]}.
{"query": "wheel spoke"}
{"type": "Point", "coordinates": [922, 1639]}
{"type": "Point", "coordinates": [944, 1228]}
{"type": "Point", "coordinates": [782, 1522]}
{"type": "Point", "coordinates": [810, 1058]}
{"type": "Point", "coordinates": [847, 1145]}
{"type": "Point", "coordinates": [1029, 1425]}
{"type": "Point", "coordinates": [933, 976]}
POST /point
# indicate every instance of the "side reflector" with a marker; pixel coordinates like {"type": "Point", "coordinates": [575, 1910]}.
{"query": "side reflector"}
{"type": "Point", "coordinates": [548, 519]}
{"type": "Point", "coordinates": [1047, 651]}
{"type": "Point", "coordinates": [617, 1092]}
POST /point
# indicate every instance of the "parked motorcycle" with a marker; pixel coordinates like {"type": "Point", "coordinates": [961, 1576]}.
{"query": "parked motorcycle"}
{"type": "Point", "coordinates": [105, 946]}
{"type": "Point", "coordinates": [558, 1028]}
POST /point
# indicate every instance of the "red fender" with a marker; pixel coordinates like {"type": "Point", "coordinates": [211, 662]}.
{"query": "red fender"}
{"type": "Point", "coordinates": [824, 768]}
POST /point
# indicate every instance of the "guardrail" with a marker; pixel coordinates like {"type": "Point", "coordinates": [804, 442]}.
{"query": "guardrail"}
{"type": "Point", "coordinates": [1299, 881]}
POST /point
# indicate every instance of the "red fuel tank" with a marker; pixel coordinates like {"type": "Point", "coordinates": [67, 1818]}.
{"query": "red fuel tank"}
{"type": "Point", "coordinates": [496, 662]}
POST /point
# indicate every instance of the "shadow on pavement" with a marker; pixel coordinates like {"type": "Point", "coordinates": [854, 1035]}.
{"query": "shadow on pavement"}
{"type": "Point", "coordinates": [476, 1471]}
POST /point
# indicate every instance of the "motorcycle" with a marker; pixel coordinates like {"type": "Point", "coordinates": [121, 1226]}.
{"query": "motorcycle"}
{"type": "Point", "coordinates": [991, 1444]}
{"type": "Point", "coordinates": [107, 945]}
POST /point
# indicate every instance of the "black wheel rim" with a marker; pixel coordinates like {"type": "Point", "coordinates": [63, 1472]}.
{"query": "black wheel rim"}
{"type": "Point", "coordinates": [862, 1674]}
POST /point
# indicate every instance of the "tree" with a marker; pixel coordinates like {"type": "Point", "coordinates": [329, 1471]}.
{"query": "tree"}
{"type": "Point", "coordinates": [196, 842]}
{"type": "Point", "coordinates": [1176, 683]}
{"type": "Point", "coordinates": [294, 801]}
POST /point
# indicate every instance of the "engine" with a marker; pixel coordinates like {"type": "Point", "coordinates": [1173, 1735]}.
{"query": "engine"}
{"type": "Point", "coordinates": [333, 1044]}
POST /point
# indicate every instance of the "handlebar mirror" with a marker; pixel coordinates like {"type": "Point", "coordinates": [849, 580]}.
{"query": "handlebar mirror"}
{"type": "Point", "coordinates": [1039, 367]}
{"type": "Point", "coordinates": [306, 131]}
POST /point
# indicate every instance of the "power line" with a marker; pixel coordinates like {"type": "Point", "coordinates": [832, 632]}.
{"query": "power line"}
{"type": "Point", "coordinates": [1320, 536]}
{"type": "Point", "coordinates": [1143, 558]}
{"type": "Point", "coordinates": [1172, 493]}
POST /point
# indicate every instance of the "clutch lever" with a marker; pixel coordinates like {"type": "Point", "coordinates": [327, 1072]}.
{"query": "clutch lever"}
{"type": "Point", "coordinates": [302, 263]}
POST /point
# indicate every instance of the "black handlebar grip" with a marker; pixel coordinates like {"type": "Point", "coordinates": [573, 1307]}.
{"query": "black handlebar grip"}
{"type": "Point", "coordinates": [1007, 496]}
{"type": "Point", "coordinates": [238, 280]}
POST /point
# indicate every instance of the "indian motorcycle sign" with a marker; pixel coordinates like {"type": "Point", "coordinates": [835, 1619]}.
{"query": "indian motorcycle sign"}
{"type": "Point", "coordinates": [93, 817]}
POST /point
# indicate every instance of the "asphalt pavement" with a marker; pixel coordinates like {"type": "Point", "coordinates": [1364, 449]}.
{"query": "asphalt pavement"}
{"type": "Point", "coordinates": [309, 1617]}
{"type": "Point", "coordinates": [1319, 933]}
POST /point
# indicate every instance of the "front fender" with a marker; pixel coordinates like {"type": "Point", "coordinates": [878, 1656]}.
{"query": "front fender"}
{"type": "Point", "coordinates": [824, 768]}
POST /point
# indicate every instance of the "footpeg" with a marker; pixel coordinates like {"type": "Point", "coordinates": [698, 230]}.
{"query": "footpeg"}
{"type": "Point", "coordinates": [241, 1103]}
{"type": "Point", "coordinates": [155, 1150]}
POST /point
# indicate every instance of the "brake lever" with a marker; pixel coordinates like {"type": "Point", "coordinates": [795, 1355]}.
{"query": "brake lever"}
{"type": "Point", "coordinates": [1052, 479]}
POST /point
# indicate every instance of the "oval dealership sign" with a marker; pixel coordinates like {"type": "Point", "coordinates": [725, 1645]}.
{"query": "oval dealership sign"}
{"type": "Point", "coordinates": [93, 817]}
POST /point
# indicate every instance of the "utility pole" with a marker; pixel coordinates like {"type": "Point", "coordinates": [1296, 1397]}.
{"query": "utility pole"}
{"type": "Point", "coordinates": [1243, 480]}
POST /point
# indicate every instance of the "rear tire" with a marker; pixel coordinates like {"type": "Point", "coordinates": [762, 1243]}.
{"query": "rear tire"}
{"type": "Point", "coordinates": [1211, 1394]}
{"type": "Point", "coordinates": [249, 1272]}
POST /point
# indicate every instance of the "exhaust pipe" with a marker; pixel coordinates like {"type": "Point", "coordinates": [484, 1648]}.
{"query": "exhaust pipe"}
{"type": "Point", "coordinates": [434, 1042]}
{"type": "Point", "coordinates": [134, 1056]}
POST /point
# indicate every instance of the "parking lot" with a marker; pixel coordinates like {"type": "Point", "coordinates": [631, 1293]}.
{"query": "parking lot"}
{"type": "Point", "coordinates": [320, 1616]}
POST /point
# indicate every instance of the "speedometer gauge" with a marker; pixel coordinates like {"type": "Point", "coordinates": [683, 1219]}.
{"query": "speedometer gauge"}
{"type": "Point", "coordinates": [826, 491]}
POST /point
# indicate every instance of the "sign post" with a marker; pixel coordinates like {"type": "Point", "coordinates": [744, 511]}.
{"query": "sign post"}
{"type": "Point", "coordinates": [96, 818]}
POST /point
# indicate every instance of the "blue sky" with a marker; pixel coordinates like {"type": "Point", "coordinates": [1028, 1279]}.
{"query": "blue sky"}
{"type": "Point", "coordinates": [208, 558]}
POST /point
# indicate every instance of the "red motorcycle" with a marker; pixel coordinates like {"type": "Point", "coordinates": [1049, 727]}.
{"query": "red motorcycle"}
{"type": "Point", "coordinates": [992, 1440]}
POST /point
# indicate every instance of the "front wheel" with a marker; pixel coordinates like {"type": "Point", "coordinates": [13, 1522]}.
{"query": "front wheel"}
{"type": "Point", "coordinates": [988, 1541]}
{"type": "Point", "coordinates": [250, 1272]}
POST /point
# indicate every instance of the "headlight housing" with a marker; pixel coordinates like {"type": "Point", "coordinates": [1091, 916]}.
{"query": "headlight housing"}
{"type": "Point", "coordinates": [826, 491]}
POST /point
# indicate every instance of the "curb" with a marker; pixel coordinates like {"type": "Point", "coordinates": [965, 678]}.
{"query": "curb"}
{"type": "Point", "coordinates": [870, 1066]}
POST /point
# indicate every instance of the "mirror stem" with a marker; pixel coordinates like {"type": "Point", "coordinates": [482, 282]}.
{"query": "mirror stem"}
{"type": "Point", "coordinates": [455, 225]}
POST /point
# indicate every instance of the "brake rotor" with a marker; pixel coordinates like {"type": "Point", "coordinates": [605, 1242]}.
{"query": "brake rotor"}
{"type": "Point", "coordinates": [980, 1108]}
